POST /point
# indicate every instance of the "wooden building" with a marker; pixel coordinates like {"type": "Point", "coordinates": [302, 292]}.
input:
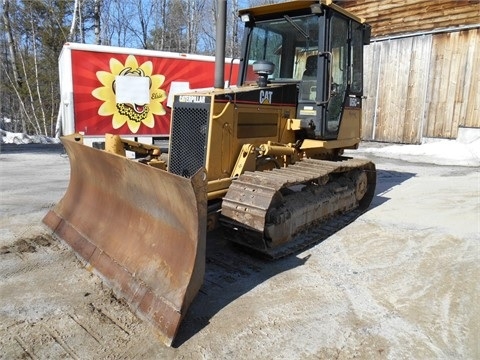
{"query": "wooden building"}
{"type": "Point", "coordinates": [422, 69]}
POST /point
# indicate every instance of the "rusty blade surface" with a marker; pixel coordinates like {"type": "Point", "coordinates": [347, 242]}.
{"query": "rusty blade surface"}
{"type": "Point", "coordinates": [141, 229]}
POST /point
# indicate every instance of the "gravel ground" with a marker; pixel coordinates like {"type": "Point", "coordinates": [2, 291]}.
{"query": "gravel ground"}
{"type": "Point", "coordinates": [401, 282]}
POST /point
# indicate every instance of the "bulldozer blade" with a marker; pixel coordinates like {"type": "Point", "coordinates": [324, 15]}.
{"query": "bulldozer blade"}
{"type": "Point", "coordinates": [141, 229]}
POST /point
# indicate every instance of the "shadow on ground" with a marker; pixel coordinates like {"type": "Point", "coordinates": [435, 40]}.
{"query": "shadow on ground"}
{"type": "Point", "coordinates": [231, 271]}
{"type": "Point", "coordinates": [31, 148]}
{"type": "Point", "coordinates": [386, 181]}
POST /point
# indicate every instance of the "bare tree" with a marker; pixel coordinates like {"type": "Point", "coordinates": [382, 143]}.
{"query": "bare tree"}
{"type": "Point", "coordinates": [96, 17]}
{"type": "Point", "coordinates": [145, 12]}
{"type": "Point", "coordinates": [71, 34]}
{"type": "Point", "coordinates": [207, 33]}
{"type": "Point", "coordinates": [16, 81]}
{"type": "Point", "coordinates": [233, 47]}
{"type": "Point", "coordinates": [117, 21]}
{"type": "Point", "coordinates": [35, 36]}
{"type": "Point", "coordinates": [163, 24]}
{"type": "Point", "coordinates": [11, 42]}
{"type": "Point", "coordinates": [207, 29]}
{"type": "Point", "coordinates": [195, 11]}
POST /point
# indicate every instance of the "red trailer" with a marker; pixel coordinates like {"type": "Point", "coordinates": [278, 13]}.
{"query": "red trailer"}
{"type": "Point", "coordinates": [125, 91]}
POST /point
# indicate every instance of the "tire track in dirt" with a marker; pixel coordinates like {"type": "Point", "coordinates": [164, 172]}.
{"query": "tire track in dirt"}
{"type": "Point", "coordinates": [16, 258]}
{"type": "Point", "coordinates": [59, 320]}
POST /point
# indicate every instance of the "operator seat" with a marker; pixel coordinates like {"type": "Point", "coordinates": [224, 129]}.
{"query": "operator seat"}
{"type": "Point", "coordinates": [310, 68]}
{"type": "Point", "coordinates": [308, 87]}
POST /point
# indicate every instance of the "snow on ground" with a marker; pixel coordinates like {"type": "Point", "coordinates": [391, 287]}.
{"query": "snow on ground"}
{"type": "Point", "coordinates": [464, 151]}
{"type": "Point", "coordinates": [7, 137]}
{"type": "Point", "coordinates": [459, 152]}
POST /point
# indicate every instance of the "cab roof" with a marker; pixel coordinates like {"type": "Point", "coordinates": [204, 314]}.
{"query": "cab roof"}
{"type": "Point", "coordinates": [295, 7]}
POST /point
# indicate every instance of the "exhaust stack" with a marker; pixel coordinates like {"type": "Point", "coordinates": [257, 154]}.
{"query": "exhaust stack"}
{"type": "Point", "coordinates": [220, 44]}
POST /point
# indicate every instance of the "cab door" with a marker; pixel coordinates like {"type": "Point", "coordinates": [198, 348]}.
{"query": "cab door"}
{"type": "Point", "coordinates": [332, 74]}
{"type": "Point", "coordinates": [338, 74]}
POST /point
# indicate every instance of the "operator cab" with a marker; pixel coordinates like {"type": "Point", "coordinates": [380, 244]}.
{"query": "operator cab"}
{"type": "Point", "coordinates": [320, 49]}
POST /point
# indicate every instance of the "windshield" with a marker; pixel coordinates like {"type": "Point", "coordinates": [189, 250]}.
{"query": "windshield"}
{"type": "Point", "coordinates": [287, 43]}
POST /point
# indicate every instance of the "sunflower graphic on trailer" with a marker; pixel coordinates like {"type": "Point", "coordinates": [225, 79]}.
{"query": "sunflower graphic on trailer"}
{"type": "Point", "coordinates": [126, 91]}
{"type": "Point", "coordinates": [130, 93]}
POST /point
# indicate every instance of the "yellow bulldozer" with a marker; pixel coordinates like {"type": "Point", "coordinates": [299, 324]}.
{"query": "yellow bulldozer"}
{"type": "Point", "coordinates": [263, 159]}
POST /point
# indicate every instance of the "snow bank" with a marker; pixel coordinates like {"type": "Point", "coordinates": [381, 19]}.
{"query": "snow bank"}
{"type": "Point", "coordinates": [7, 137]}
{"type": "Point", "coordinates": [464, 151]}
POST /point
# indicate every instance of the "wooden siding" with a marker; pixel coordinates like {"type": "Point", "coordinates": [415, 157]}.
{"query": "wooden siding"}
{"type": "Point", "coordinates": [454, 93]}
{"type": "Point", "coordinates": [389, 17]}
{"type": "Point", "coordinates": [422, 86]}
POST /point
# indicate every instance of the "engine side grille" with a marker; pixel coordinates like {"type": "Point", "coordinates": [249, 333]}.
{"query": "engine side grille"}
{"type": "Point", "coordinates": [189, 136]}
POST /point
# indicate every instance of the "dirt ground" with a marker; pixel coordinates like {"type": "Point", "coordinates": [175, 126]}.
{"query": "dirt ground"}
{"type": "Point", "coordinates": [401, 282]}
